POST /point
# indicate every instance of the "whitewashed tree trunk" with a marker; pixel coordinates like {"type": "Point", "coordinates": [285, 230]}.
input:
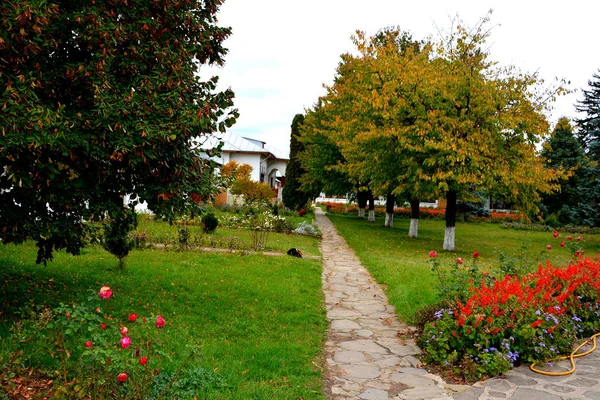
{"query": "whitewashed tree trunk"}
{"type": "Point", "coordinates": [413, 230]}
{"type": "Point", "coordinates": [361, 212]}
{"type": "Point", "coordinates": [389, 220]}
{"type": "Point", "coordinates": [371, 215]}
{"type": "Point", "coordinates": [449, 238]}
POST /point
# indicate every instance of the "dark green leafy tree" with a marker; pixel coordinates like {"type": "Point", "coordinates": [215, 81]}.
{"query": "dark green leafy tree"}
{"type": "Point", "coordinates": [294, 197]}
{"type": "Point", "coordinates": [100, 99]}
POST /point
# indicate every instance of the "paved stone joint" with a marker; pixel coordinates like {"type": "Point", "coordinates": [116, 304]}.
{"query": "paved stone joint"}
{"type": "Point", "coordinates": [370, 354]}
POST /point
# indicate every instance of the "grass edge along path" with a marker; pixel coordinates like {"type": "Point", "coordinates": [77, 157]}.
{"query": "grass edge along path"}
{"type": "Point", "coordinates": [258, 321]}
{"type": "Point", "coordinates": [400, 264]}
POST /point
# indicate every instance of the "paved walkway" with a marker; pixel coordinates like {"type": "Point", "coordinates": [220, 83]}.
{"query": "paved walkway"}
{"type": "Point", "coordinates": [370, 354]}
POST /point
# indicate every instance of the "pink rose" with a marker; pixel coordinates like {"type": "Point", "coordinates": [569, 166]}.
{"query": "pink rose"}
{"type": "Point", "coordinates": [124, 331]}
{"type": "Point", "coordinates": [459, 260]}
{"type": "Point", "coordinates": [144, 360]}
{"type": "Point", "coordinates": [105, 292]}
{"type": "Point", "coordinates": [88, 344]}
{"type": "Point", "coordinates": [433, 254]}
{"type": "Point", "coordinates": [562, 244]}
{"type": "Point", "coordinates": [125, 342]}
{"type": "Point", "coordinates": [132, 317]}
{"type": "Point", "coordinates": [549, 247]}
{"type": "Point", "coordinates": [160, 322]}
{"type": "Point", "coordinates": [122, 377]}
{"type": "Point", "coordinates": [555, 234]}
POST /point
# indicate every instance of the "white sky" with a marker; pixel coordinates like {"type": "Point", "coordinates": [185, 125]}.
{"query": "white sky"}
{"type": "Point", "coordinates": [282, 52]}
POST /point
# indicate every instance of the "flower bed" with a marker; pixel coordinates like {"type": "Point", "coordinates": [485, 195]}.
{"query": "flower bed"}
{"type": "Point", "coordinates": [507, 320]}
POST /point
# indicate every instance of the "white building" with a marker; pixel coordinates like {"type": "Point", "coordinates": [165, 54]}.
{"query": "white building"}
{"type": "Point", "coordinates": [268, 164]}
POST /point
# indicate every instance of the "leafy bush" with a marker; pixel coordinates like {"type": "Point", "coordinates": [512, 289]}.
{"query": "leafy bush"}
{"type": "Point", "coordinates": [209, 222]}
{"type": "Point", "coordinates": [96, 355]}
{"type": "Point", "coordinates": [305, 228]}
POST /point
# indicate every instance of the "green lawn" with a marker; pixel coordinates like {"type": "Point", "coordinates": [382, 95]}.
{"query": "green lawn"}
{"type": "Point", "coordinates": [400, 263]}
{"type": "Point", "coordinates": [258, 321]}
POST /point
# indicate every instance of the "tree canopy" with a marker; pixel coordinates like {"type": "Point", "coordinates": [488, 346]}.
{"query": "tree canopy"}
{"type": "Point", "coordinates": [102, 99]}
{"type": "Point", "coordinates": [416, 118]}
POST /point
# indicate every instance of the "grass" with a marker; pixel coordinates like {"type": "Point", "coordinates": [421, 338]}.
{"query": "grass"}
{"type": "Point", "coordinates": [400, 263]}
{"type": "Point", "coordinates": [258, 321]}
{"type": "Point", "coordinates": [223, 237]}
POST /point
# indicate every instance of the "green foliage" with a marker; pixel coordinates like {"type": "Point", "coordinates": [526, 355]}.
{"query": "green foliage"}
{"type": "Point", "coordinates": [99, 100]}
{"type": "Point", "coordinates": [209, 222]}
{"type": "Point", "coordinates": [294, 197]}
{"type": "Point", "coordinates": [116, 234]}
{"type": "Point", "coordinates": [589, 125]}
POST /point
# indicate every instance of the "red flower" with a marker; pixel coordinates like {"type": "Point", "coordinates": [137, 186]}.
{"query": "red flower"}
{"type": "Point", "coordinates": [124, 331]}
{"type": "Point", "coordinates": [433, 254]}
{"type": "Point", "coordinates": [536, 323]}
{"type": "Point", "coordinates": [562, 244]}
{"type": "Point", "coordinates": [495, 331]}
{"type": "Point", "coordinates": [579, 238]}
{"type": "Point", "coordinates": [122, 377]}
{"type": "Point", "coordinates": [132, 317]}
{"type": "Point", "coordinates": [88, 344]}
{"type": "Point", "coordinates": [103, 326]}
{"type": "Point", "coordinates": [105, 292]}
{"type": "Point", "coordinates": [569, 237]}
{"type": "Point", "coordinates": [160, 322]}
{"type": "Point", "coordinates": [475, 254]}
{"type": "Point", "coordinates": [459, 260]}
{"type": "Point", "coordinates": [555, 234]}
{"type": "Point", "coordinates": [125, 342]}
{"type": "Point", "coordinates": [144, 360]}
{"type": "Point", "coordinates": [549, 247]}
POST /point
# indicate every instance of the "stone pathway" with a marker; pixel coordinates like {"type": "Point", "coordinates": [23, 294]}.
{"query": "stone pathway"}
{"type": "Point", "coordinates": [370, 354]}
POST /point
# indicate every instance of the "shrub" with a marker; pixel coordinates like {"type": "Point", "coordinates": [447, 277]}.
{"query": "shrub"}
{"type": "Point", "coordinates": [97, 355]}
{"type": "Point", "coordinates": [305, 228]}
{"type": "Point", "coordinates": [209, 222]}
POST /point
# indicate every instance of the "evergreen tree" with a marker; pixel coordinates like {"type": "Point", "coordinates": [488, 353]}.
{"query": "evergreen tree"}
{"type": "Point", "coordinates": [293, 196]}
{"type": "Point", "coordinates": [563, 151]}
{"type": "Point", "coordinates": [589, 126]}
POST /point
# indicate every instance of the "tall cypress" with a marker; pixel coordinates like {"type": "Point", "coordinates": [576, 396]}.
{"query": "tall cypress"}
{"type": "Point", "coordinates": [293, 196]}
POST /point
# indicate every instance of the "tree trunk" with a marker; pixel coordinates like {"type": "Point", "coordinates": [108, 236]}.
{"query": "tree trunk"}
{"type": "Point", "coordinates": [362, 197]}
{"type": "Point", "coordinates": [413, 231]}
{"type": "Point", "coordinates": [371, 207]}
{"type": "Point", "coordinates": [390, 202]}
{"type": "Point", "coordinates": [450, 220]}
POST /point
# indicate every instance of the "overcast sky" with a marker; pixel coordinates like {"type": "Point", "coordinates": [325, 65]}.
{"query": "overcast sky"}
{"type": "Point", "coordinates": [282, 52]}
